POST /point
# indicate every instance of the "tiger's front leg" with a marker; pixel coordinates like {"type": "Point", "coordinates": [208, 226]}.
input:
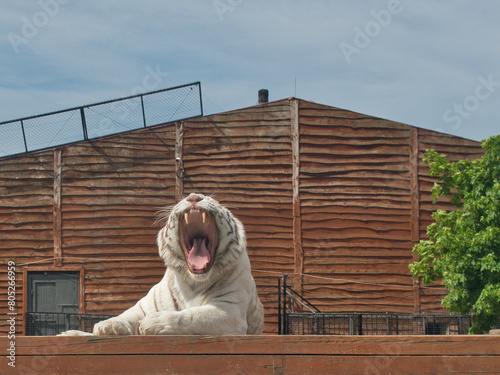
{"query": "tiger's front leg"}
{"type": "Point", "coordinates": [128, 322]}
{"type": "Point", "coordinates": [200, 320]}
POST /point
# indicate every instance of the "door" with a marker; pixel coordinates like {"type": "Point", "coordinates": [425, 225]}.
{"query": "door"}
{"type": "Point", "coordinates": [51, 296]}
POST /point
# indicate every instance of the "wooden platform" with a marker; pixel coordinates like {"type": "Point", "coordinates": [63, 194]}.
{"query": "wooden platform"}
{"type": "Point", "coordinates": [253, 355]}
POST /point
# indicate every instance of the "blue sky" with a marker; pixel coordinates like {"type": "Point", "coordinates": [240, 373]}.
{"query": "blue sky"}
{"type": "Point", "coordinates": [428, 63]}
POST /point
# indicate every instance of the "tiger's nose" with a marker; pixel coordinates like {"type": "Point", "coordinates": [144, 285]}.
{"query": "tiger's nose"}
{"type": "Point", "coordinates": [194, 198]}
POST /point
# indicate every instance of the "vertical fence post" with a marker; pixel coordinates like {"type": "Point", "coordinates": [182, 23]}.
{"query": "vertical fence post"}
{"type": "Point", "coordinates": [415, 210]}
{"type": "Point", "coordinates": [360, 325]}
{"type": "Point", "coordinates": [57, 215]}
{"type": "Point", "coordinates": [143, 113]}
{"type": "Point", "coordinates": [201, 101]}
{"type": "Point", "coordinates": [179, 165]}
{"type": "Point", "coordinates": [285, 318]}
{"type": "Point", "coordinates": [84, 125]}
{"type": "Point", "coordinates": [24, 136]}
{"type": "Point", "coordinates": [298, 249]}
{"type": "Point", "coordinates": [280, 332]}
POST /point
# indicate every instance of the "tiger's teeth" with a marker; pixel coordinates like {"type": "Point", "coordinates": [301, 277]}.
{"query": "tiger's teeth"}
{"type": "Point", "coordinates": [204, 215]}
{"type": "Point", "coordinates": [186, 215]}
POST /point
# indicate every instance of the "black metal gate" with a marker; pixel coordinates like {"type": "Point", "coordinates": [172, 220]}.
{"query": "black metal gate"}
{"type": "Point", "coordinates": [311, 321]}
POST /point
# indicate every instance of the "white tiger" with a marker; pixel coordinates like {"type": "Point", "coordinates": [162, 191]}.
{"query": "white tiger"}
{"type": "Point", "coordinates": [207, 288]}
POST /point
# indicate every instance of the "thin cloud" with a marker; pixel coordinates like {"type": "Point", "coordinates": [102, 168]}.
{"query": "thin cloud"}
{"type": "Point", "coordinates": [414, 67]}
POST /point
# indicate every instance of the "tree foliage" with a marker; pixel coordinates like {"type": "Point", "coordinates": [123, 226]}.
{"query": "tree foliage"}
{"type": "Point", "coordinates": [464, 245]}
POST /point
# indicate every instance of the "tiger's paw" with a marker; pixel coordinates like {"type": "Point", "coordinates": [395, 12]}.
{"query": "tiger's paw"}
{"type": "Point", "coordinates": [113, 326]}
{"type": "Point", "coordinates": [74, 333]}
{"type": "Point", "coordinates": [160, 323]}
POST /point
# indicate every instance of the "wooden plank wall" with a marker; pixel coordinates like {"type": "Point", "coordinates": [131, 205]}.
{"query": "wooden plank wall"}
{"type": "Point", "coordinates": [244, 159]}
{"type": "Point", "coordinates": [333, 198]}
{"type": "Point", "coordinates": [456, 149]}
{"type": "Point", "coordinates": [111, 192]}
{"type": "Point", "coordinates": [356, 207]}
{"type": "Point", "coordinates": [365, 201]}
{"type": "Point", "coordinates": [254, 355]}
{"type": "Point", "coordinates": [26, 226]}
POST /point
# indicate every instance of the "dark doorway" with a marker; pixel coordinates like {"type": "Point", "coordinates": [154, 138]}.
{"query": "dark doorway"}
{"type": "Point", "coordinates": [51, 295]}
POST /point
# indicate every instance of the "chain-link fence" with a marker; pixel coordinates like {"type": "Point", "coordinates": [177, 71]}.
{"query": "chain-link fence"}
{"type": "Point", "coordinates": [100, 119]}
{"type": "Point", "coordinates": [50, 324]}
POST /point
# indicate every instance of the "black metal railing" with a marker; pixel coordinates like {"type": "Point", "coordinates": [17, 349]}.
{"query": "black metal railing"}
{"type": "Point", "coordinates": [101, 119]}
{"type": "Point", "coordinates": [376, 324]}
{"type": "Point", "coordinates": [50, 324]}
{"type": "Point", "coordinates": [311, 321]}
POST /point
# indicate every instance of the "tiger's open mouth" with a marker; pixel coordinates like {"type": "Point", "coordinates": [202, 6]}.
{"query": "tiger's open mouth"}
{"type": "Point", "coordinates": [199, 240]}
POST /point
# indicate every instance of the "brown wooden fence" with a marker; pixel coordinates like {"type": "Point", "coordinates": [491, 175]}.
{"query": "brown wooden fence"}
{"type": "Point", "coordinates": [252, 355]}
{"type": "Point", "coordinates": [333, 198]}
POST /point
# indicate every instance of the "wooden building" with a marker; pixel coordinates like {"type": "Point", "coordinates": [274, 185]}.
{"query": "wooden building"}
{"type": "Point", "coordinates": [333, 198]}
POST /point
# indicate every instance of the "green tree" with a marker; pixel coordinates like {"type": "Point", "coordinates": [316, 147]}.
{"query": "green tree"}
{"type": "Point", "coordinates": [464, 245]}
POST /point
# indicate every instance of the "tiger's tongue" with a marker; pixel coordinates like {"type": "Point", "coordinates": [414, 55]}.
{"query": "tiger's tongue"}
{"type": "Point", "coordinates": [199, 256]}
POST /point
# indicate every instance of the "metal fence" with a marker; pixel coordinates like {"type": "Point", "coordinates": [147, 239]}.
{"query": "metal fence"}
{"type": "Point", "coordinates": [100, 119]}
{"type": "Point", "coordinates": [376, 324]}
{"type": "Point", "coordinates": [50, 324]}
{"type": "Point", "coordinates": [314, 322]}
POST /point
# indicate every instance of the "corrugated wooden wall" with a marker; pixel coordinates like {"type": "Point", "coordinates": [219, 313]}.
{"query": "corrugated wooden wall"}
{"type": "Point", "coordinates": [456, 149]}
{"type": "Point", "coordinates": [244, 159]}
{"type": "Point", "coordinates": [365, 201]}
{"type": "Point", "coordinates": [333, 198]}
{"type": "Point", "coordinates": [26, 227]}
{"type": "Point", "coordinates": [355, 203]}
{"type": "Point", "coordinates": [111, 191]}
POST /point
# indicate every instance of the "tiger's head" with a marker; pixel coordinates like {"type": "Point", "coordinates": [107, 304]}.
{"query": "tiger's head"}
{"type": "Point", "coordinates": [201, 237]}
